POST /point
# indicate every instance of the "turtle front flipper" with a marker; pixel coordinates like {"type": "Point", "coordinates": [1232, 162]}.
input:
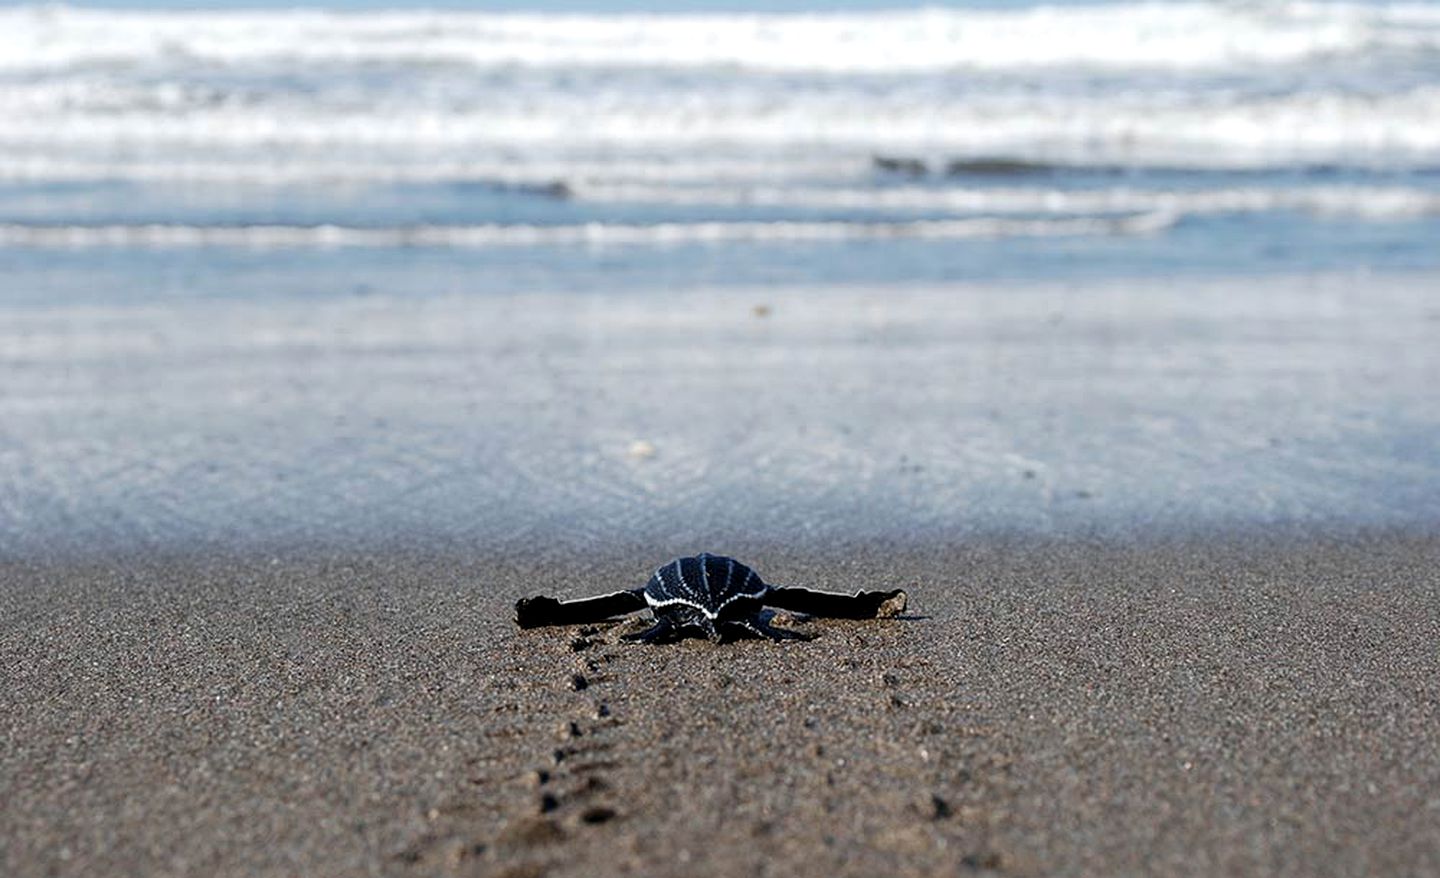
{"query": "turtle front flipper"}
{"type": "Point", "coordinates": [537, 611]}
{"type": "Point", "coordinates": [835, 605]}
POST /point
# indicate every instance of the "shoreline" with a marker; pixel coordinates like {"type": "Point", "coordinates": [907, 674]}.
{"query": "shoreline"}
{"type": "Point", "coordinates": [802, 413]}
{"type": "Point", "coordinates": [1045, 707]}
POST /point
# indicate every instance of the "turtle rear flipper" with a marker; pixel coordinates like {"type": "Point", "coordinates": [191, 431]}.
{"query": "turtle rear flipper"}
{"type": "Point", "coordinates": [835, 605]}
{"type": "Point", "coordinates": [537, 611]}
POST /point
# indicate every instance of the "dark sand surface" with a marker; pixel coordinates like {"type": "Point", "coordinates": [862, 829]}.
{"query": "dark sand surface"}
{"type": "Point", "coordinates": [1210, 706]}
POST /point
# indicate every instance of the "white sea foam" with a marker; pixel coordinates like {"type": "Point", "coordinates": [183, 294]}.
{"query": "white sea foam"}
{"type": "Point", "coordinates": [1148, 34]}
{"type": "Point", "coordinates": [597, 234]}
{"type": "Point", "coordinates": [1379, 202]}
{"type": "Point", "coordinates": [277, 96]}
{"type": "Point", "coordinates": [258, 140]}
{"type": "Point", "coordinates": [517, 171]}
{"type": "Point", "coordinates": [136, 135]}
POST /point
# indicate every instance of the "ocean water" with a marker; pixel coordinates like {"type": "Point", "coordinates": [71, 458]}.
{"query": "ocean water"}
{"type": "Point", "coordinates": [263, 150]}
{"type": "Point", "coordinates": [584, 274]}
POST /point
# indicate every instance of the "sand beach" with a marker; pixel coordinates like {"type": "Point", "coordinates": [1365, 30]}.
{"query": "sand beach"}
{"type": "Point", "coordinates": [1170, 551]}
{"type": "Point", "coordinates": [1045, 708]}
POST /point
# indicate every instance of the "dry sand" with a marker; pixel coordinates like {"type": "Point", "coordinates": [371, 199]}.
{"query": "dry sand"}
{"type": "Point", "coordinates": [1212, 706]}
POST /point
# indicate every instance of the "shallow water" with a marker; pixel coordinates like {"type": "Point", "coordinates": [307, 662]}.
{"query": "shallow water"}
{"type": "Point", "coordinates": [604, 147]}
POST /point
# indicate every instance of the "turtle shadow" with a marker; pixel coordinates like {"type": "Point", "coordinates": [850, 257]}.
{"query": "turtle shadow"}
{"type": "Point", "coordinates": [789, 625]}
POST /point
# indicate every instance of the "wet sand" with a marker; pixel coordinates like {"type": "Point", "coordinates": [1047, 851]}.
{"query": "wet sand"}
{"type": "Point", "coordinates": [1211, 705]}
{"type": "Point", "coordinates": [810, 414]}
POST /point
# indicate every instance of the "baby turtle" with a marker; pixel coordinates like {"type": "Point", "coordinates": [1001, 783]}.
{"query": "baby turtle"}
{"type": "Point", "coordinates": [708, 595]}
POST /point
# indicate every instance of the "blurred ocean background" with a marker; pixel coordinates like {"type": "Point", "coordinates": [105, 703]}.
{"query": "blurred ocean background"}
{"type": "Point", "coordinates": [567, 274]}
{"type": "Point", "coordinates": [236, 149]}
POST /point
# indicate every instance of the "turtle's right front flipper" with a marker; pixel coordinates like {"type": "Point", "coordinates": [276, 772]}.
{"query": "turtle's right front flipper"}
{"type": "Point", "coordinates": [834, 605]}
{"type": "Point", "coordinates": [537, 611]}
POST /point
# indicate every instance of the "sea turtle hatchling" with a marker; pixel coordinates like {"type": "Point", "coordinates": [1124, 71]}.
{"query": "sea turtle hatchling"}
{"type": "Point", "coordinates": [708, 595]}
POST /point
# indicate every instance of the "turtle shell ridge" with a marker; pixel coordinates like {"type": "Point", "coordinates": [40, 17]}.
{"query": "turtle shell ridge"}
{"type": "Point", "coordinates": [708, 583]}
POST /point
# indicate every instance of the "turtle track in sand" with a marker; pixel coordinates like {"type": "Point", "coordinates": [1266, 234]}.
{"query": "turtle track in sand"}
{"type": "Point", "coordinates": [508, 820]}
{"type": "Point", "coordinates": [700, 759]}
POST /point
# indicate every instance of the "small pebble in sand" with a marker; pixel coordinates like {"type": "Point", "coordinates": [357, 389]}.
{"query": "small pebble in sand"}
{"type": "Point", "coordinates": [989, 860]}
{"type": "Point", "coordinates": [642, 450]}
{"type": "Point", "coordinates": [598, 814]}
{"type": "Point", "coordinates": [938, 809]}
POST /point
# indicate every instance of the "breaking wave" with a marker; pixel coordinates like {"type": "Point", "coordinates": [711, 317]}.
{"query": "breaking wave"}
{"type": "Point", "coordinates": [1355, 201]}
{"type": "Point", "coordinates": [471, 129]}
{"type": "Point", "coordinates": [1193, 35]}
{"type": "Point", "coordinates": [599, 234]}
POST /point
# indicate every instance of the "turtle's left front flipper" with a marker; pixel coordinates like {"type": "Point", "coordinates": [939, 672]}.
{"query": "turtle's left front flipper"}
{"type": "Point", "coordinates": [860, 605]}
{"type": "Point", "coordinates": [537, 611]}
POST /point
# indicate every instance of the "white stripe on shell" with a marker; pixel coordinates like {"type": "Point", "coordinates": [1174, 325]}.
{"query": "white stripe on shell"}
{"type": "Point", "coordinates": [680, 577]}
{"type": "Point", "coordinates": [690, 597]}
{"type": "Point", "coordinates": [749, 575]}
